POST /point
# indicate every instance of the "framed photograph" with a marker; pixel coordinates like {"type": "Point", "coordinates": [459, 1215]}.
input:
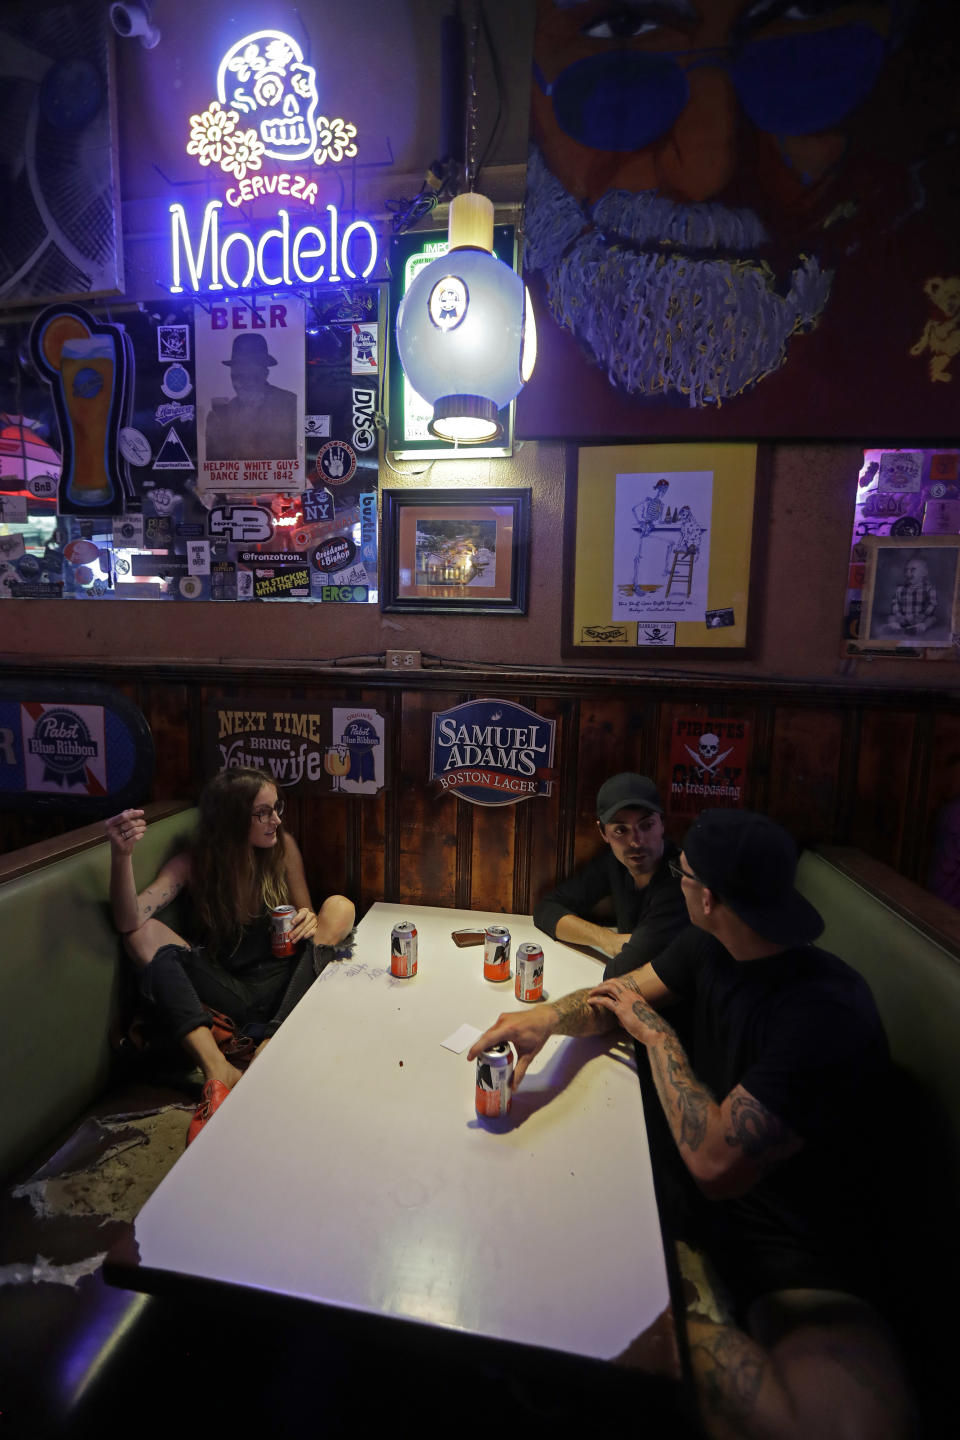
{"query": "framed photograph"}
{"type": "Point", "coordinates": [659, 549]}
{"type": "Point", "coordinates": [910, 592]}
{"type": "Point", "coordinates": [458, 551]}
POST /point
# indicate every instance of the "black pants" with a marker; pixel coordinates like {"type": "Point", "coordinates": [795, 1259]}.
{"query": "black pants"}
{"type": "Point", "coordinates": [180, 982]}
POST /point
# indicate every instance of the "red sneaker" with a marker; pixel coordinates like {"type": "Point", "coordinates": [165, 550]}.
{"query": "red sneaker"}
{"type": "Point", "coordinates": [214, 1094]}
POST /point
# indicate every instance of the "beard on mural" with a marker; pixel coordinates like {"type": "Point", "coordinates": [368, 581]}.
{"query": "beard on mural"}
{"type": "Point", "coordinates": [722, 194]}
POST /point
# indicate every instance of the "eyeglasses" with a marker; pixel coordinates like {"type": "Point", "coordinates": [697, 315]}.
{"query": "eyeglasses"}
{"type": "Point", "coordinates": [263, 812]}
{"type": "Point", "coordinates": [625, 99]}
{"type": "Point", "coordinates": [678, 872]}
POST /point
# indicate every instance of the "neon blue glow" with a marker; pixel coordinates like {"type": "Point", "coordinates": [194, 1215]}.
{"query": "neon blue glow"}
{"type": "Point", "coordinates": [368, 229]}
{"type": "Point", "coordinates": [273, 258]}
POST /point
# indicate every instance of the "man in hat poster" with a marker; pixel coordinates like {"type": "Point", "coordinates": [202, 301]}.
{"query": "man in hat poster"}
{"type": "Point", "coordinates": [765, 1138]}
{"type": "Point", "coordinates": [260, 422]}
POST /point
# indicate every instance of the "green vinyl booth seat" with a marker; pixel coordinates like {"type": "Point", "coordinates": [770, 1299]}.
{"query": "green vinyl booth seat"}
{"type": "Point", "coordinates": [60, 977]}
{"type": "Point", "coordinates": [906, 944]}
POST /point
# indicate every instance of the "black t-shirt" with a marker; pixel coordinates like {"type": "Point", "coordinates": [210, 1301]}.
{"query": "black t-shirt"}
{"type": "Point", "coordinates": [800, 1032]}
{"type": "Point", "coordinates": [651, 916]}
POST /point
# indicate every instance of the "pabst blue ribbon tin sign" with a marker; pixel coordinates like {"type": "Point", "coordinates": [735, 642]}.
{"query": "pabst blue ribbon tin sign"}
{"type": "Point", "coordinates": [491, 752]}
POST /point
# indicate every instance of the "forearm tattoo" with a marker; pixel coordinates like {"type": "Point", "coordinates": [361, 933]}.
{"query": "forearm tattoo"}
{"type": "Point", "coordinates": [170, 892]}
{"type": "Point", "coordinates": [729, 1370]}
{"type": "Point", "coordinates": [578, 1017]}
{"type": "Point", "coordinates": [685, 1100]}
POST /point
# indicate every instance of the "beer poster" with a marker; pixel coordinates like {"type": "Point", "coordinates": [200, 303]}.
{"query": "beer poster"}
{"type": "Point", "coordinates": [709, 762]}
{"type": "Point", "coordinates": [250, 395]}
{"type": "Point", "coordinates": [336, 750]}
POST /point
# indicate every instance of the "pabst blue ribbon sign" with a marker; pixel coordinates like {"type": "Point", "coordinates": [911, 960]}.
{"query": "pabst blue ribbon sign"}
{"type": "Point", "coordinates": [492, 752]}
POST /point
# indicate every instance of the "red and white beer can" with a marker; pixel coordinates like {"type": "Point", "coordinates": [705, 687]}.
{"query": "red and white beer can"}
{"type": "Point", "coordinates": [529, 971]}
{"type": "Point", "coordinates": [403, 950]}
{"type": "Point", "coordinates": [496, 953]}
{"type": "Point", "coordinates": [494, 1073]}
{"type": "Point", "coordinates": [281, 923]}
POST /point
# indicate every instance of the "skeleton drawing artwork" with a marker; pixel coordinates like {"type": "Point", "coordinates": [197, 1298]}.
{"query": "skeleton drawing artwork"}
{"type": "Point", "coordinates": [648, 515]}
{"type": "Point", "coordinates": [661, 545]}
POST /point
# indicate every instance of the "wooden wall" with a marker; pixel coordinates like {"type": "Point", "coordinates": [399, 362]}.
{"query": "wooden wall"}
{"type": "Point", "coordinates": [848, 766]}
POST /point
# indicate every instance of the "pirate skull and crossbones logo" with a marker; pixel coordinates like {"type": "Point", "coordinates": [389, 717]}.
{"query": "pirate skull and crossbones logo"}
{"type": "Point", "coordinates": [705, 757]}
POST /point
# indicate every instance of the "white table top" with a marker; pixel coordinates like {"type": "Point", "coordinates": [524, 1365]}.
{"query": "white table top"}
{"type": "Point", "coordinates": [349, 1167]}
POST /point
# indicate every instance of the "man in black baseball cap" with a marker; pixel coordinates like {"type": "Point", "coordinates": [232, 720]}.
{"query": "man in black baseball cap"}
{"type": "Point", "coordinates": [763, 1125]}
{"type": "Point", "coordinates": [628, 883]}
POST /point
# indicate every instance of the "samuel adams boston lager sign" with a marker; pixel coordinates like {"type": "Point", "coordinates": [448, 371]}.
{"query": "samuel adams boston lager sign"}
{"type": "Point", "coordinates": [491, 752]}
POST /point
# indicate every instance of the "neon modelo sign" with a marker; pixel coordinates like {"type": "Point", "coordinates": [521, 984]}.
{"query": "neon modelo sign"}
{"type": "Point", "coordinates": [264, 79]}
{"type": "Point", "coordinates": [277, 257]}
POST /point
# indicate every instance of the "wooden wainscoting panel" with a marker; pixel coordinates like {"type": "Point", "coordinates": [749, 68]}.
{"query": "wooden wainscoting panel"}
{"type": "Point", "coordinates": [494, 838]}
{"type": "Point", "coordinates": [883, 772]}
{"type": "Point", "coordinates": [427, 825]}
{"type": "Point", "coordinates": [804, 759]}
{"type": "Point", "coordinates": [611, 739]}
{"type": "Point", "coordinates": [172, 712]}
{"type": "Point", "coordinates": [549, 823]}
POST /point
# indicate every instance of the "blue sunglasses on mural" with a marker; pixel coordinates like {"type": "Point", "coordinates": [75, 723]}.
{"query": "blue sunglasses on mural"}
{"type": "Point", "coordinates": [786, 85]}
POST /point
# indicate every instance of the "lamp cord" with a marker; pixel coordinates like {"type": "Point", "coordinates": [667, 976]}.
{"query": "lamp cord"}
{"type": "Point", "coordinates": [473, 104]}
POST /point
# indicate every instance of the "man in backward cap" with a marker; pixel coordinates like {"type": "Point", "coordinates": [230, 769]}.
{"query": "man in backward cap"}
{"type": "Point", "coordinates": [629, 883]}
{"type": "Point", "coordinates": [260, 422]}
{"type": "Point", "coordinates": [772, 1106]}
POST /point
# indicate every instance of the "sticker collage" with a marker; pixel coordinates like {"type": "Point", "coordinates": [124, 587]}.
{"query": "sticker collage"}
{"type": "Point", "coordinates": [903, 585]}
{"type": "Point", "coordinates": [217, 451]}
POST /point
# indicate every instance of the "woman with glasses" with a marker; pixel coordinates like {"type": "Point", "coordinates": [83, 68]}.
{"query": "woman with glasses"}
{"type": "Point", "coordinates": [241, 865]}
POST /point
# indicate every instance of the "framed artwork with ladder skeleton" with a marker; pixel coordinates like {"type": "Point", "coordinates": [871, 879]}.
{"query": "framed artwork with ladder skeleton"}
{"type": "Point", "coordinates": [659, 549]}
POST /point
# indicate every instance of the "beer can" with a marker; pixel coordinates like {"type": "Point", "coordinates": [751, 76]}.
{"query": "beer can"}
{"type": "Point", "coordinates": [403, 950]}
{"type": "Point", "coordinates": [494, 1073]}
{"type": "Point", "coordinates": [281, 923]}
{"type": "Point", "coordinates": [496, 953]}
{"type": "Point", "coordinates": [529, 970]}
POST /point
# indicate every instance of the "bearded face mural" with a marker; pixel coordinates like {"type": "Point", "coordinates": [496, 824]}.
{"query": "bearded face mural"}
{"type": "Point", "coordinates": [707, 187]}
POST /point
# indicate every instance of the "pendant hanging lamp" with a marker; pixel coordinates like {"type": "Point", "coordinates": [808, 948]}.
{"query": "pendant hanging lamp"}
{"type": "Point", "coordinates": [465, 330]}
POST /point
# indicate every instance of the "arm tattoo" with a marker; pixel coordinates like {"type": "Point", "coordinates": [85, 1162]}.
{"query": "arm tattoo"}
{"type": "Point", "coordinates": [755, 1129]}
{"type": "Point", "coordinates": [577, 1017]}
{"type": "Point", "coordinates": [685, 1100]}
{"type": "Point", "coordinates": [729, 1370]}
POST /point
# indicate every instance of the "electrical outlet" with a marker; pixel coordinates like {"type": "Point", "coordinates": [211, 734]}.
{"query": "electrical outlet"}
{"type": "Point", "coordinates": [403, 659]}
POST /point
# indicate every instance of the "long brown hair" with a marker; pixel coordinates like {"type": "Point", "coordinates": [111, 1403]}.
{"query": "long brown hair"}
{"type": "Point", "coordinates": [226, 867]}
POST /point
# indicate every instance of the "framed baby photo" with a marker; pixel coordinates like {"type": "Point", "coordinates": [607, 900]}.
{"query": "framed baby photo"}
{"type": "Point", "coordinates": [910, 592]}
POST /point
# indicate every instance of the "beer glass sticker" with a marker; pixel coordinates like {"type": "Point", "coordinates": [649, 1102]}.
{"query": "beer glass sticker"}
{"type": "Point", "coordinates": [85, 364]}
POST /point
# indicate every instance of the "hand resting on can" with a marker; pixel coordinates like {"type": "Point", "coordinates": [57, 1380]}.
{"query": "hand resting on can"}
{"type": "Point", "coordinates": [526, 1030]}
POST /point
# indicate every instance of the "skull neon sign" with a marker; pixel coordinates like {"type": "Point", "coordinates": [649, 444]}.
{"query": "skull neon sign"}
{"type": "Point", "coordinates": [266, 105]}
{"type": "Point", "coordinates": [264, 76]}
